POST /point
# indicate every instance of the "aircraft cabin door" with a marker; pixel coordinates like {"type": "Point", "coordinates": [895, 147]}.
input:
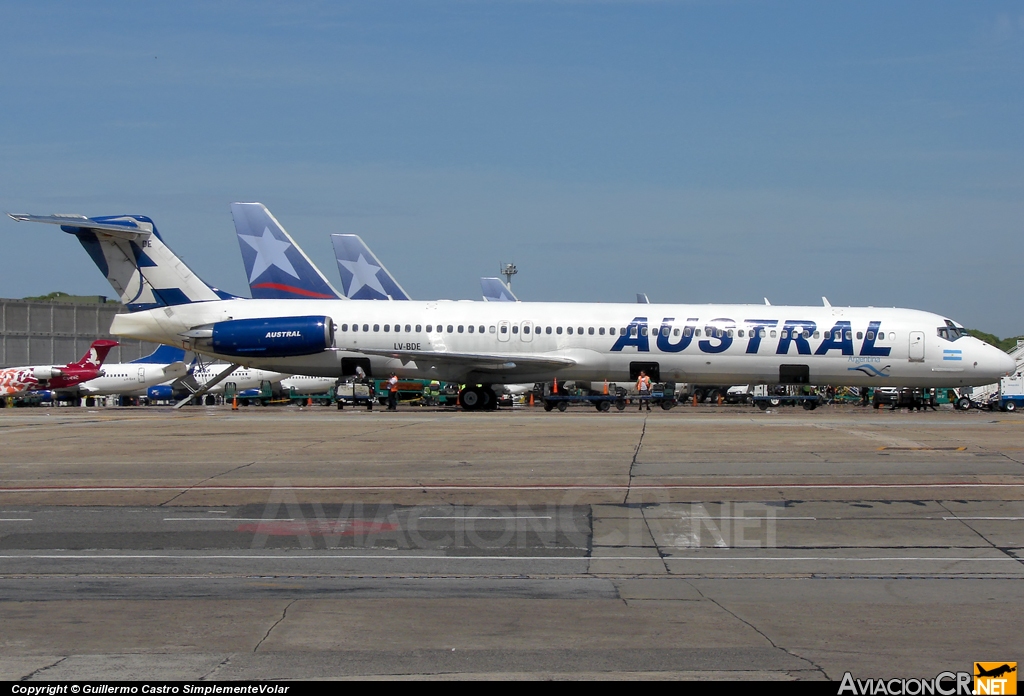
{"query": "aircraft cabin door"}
{"type": "Point", "coordinates": [142, 375]}
{"type": "Point", "coordinates": [917, 346]}
{"type": "Point", "coordinates": [526, 331]}
{"type": "Point", "coordinates": [503, 330]}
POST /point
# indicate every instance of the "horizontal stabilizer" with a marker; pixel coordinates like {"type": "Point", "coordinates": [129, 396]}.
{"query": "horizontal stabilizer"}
{"type": "Point", "coordinates": [122, 228]}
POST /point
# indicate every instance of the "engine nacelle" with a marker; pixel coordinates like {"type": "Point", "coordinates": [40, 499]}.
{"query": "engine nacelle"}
{"type": "Point", "coordinates": [279, 337]}
{"type": "Point", "coordinates": [160, 392]}
{"type": "Point", "coordinates": [43, 373]}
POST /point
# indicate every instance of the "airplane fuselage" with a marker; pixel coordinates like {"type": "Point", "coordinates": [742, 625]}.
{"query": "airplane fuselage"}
{"type": "Point", "coordinates": [733, 344]}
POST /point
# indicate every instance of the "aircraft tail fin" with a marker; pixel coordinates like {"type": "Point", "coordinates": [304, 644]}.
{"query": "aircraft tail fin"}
{"type": "Point", "coordinates": [275, 265]}
{"type": "Point", "coordinates": [129, 251]}
{"type": "Point", "coordinates": [363, 276]}
{"type": "Point", "coordinates": [496, 291]}
{"type": "Point", "coordinates": [163, 355]}
{"type": "Point", "coordinates": [96, 354]}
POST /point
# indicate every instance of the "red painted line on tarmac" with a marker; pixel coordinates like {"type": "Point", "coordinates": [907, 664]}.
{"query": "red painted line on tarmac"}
{"type": "Point", "coordinates": [525, 487]}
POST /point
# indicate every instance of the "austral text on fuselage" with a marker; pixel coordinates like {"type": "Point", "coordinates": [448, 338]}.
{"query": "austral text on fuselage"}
{"type": "Point", "coordinates": [720, 333]}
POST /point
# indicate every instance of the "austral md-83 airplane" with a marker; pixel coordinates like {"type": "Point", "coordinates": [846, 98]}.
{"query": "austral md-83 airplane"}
{"type": "Point", "coordinates": [486, 343]}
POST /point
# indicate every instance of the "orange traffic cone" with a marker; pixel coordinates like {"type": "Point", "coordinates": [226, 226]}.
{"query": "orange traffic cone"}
{"type": "Point", "coordinates": [531, 398]}
{"type": "Point", "coordinates": [606, 387]}
{"type": "Point", "coordinates": [234, 403]}
{"type": "Point", "coordinates": [554, 389]}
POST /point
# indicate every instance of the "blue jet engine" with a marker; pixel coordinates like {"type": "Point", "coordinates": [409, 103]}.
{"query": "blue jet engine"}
{"type": "Point", "coordinates": [279, 337]}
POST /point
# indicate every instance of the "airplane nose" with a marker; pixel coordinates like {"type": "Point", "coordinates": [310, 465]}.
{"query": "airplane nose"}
{"type": "Point", "coordinates": [996, 362]}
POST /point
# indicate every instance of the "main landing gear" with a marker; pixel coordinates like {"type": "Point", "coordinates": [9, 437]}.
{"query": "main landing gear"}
{"type": "Point", "coordinates": [478, 398]}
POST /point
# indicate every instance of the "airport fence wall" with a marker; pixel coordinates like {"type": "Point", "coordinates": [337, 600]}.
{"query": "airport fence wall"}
{"type": "Point", "coordinates": [54, 333]}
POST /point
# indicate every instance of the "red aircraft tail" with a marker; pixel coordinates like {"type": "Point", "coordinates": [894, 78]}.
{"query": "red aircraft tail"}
{"type": "Point", "coordinates": [96, 355]}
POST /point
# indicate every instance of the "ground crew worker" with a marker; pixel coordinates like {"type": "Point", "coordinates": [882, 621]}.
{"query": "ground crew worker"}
{"type": "Point", "coordinates": [393, 392]}
{"type": "Point", "coordinates": [643, 387]}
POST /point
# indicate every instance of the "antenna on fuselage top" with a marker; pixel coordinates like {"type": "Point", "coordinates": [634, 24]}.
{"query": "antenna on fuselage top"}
{"type": "Point", "coordinates": [767, 302]}
{"type": "Point", "coordinates": [825, 302]}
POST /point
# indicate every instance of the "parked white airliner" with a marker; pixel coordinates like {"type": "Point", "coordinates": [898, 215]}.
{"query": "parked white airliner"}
{"type": "Point", "coordinates": [507, 342]}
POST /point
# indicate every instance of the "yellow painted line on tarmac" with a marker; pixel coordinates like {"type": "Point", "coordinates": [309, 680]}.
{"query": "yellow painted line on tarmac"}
{"type": "Point", "coordinates": [925, 449]}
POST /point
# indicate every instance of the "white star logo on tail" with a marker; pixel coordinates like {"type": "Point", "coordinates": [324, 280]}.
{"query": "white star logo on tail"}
{"type": "Point", "coordinates": [364, 274]}
{"type": "Point", "coordinates": [269, 252]}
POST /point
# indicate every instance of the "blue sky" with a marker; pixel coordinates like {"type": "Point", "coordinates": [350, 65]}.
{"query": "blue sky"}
{"type": "Point", "coordinates": [697, 151]}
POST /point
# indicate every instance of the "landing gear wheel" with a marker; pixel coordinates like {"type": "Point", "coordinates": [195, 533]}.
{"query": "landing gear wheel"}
{"type": "Point", "coordinates": [562, 405]}
{"type": "Point", "coordinates": [470, 399]}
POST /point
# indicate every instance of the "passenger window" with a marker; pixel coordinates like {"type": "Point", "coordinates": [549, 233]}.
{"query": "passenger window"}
{"type": "Point", "coordinates": [482, 328]}
{"type": "Point", "coordinates": [387, 327]}
{"type": "Point", "coordinates": [828, 335]}
{"type": "Point", "coordinates": [729, 332]}
{"type": "Point", "coordinates": [408, 329]}
{"type": "Point", "coordinates": [849, 335]}
{"type": "Point", "coordinates": [784, 334]}
{"type": "Point", "coordinates": [491, 330]}
{"type": "Point", "coordinates": [860, 335]}
{"type": "Point", "coordinates": [816, 333]}
{"type": "Point", "coordinates": [344, 327]}
{"type": "Point", "coordinates": [471, 328]}
{"type": "Point", "coordinates": [451, 329]}
{"type": "Point", "coordinates": [871, 335]}
{"type": "Point", "coordinates": [892, 335]}
{"type": "Point", "coordinates": [461, 328]}
{"type": "Point", "coordinates": [675, 332]}
{"type": "Point", "coordinates": [376, 327]}
{"type": "Point", "coordinates": [366, 327]}
{"type": "Point", "coordinates": [526, 329]}
{"type": "Point", "coordinates": [762, 333]}
{"type": "Point", "coordinates": [601, 331]}
{"type": "Point", "coordinates": [590, 330]}
{"type": "Point", "coordinates": [419, 327]}
{"type": "Point", "coordinates": [515, 328]}
{"type": "Point", "coordinates": [558, 329]}
{"type": "Point", "coordinates": [547, 330]}
{"type": "Point", "coordinates": [773, 333]}
{"type": "Point", "coordinates": [686, 331]}
{"type": "Point", "coordinates": [504, 329]}
{"type": "Point", "coordinates": [568, 330]}
{"type": "Point", "coordinates": [633, 331]}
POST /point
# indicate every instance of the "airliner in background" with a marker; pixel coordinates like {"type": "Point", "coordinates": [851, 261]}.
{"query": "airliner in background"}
{"type": "Point", "coordinates": [17, 381]}
{"type": "Point", "coordinates": [278, 269]}
{"type": "Point", "coordinates": [165, 364]}
{"type": "Point", "coordinates": [491, 343]}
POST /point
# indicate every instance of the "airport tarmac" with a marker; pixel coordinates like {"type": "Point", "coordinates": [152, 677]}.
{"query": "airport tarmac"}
{"type": "Point", "coordinates": [696, 543]}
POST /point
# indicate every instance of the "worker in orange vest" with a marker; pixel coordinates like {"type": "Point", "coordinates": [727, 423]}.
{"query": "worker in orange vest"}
{"type": "Point", "coordinates": [643, 387]}
{"type": "Point", "coordinates": [393, 392]}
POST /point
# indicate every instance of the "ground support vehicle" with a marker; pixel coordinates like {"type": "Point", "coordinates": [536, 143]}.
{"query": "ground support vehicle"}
{"type": "Point", "coordinates": [903, 397]}
{"type": "Point", "coordinates": [354, 394]}
{"type": "Point", "coordinates": [765, 397]}
{"type": "Point", "coordinates": [661, 394]}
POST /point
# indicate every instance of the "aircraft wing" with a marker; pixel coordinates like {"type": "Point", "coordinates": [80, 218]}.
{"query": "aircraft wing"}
{"type": "Point", "coordinates": [479, 361]}
{"type": "Point", "coordinates": [126, 228]}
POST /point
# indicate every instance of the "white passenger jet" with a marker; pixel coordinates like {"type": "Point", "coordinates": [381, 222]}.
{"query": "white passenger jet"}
{"type": "Point", "coordinates": [482, 344]}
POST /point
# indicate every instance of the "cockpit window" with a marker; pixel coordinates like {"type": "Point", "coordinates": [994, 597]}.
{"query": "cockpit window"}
{"type": "Point", "coordinates": [951, 331]}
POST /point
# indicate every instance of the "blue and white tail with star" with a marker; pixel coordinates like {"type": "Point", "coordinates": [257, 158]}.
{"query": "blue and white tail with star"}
{"type": "Point", "coordinates": [276, 267]}
{"type": "Point", "coordinates": [363, 276]}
